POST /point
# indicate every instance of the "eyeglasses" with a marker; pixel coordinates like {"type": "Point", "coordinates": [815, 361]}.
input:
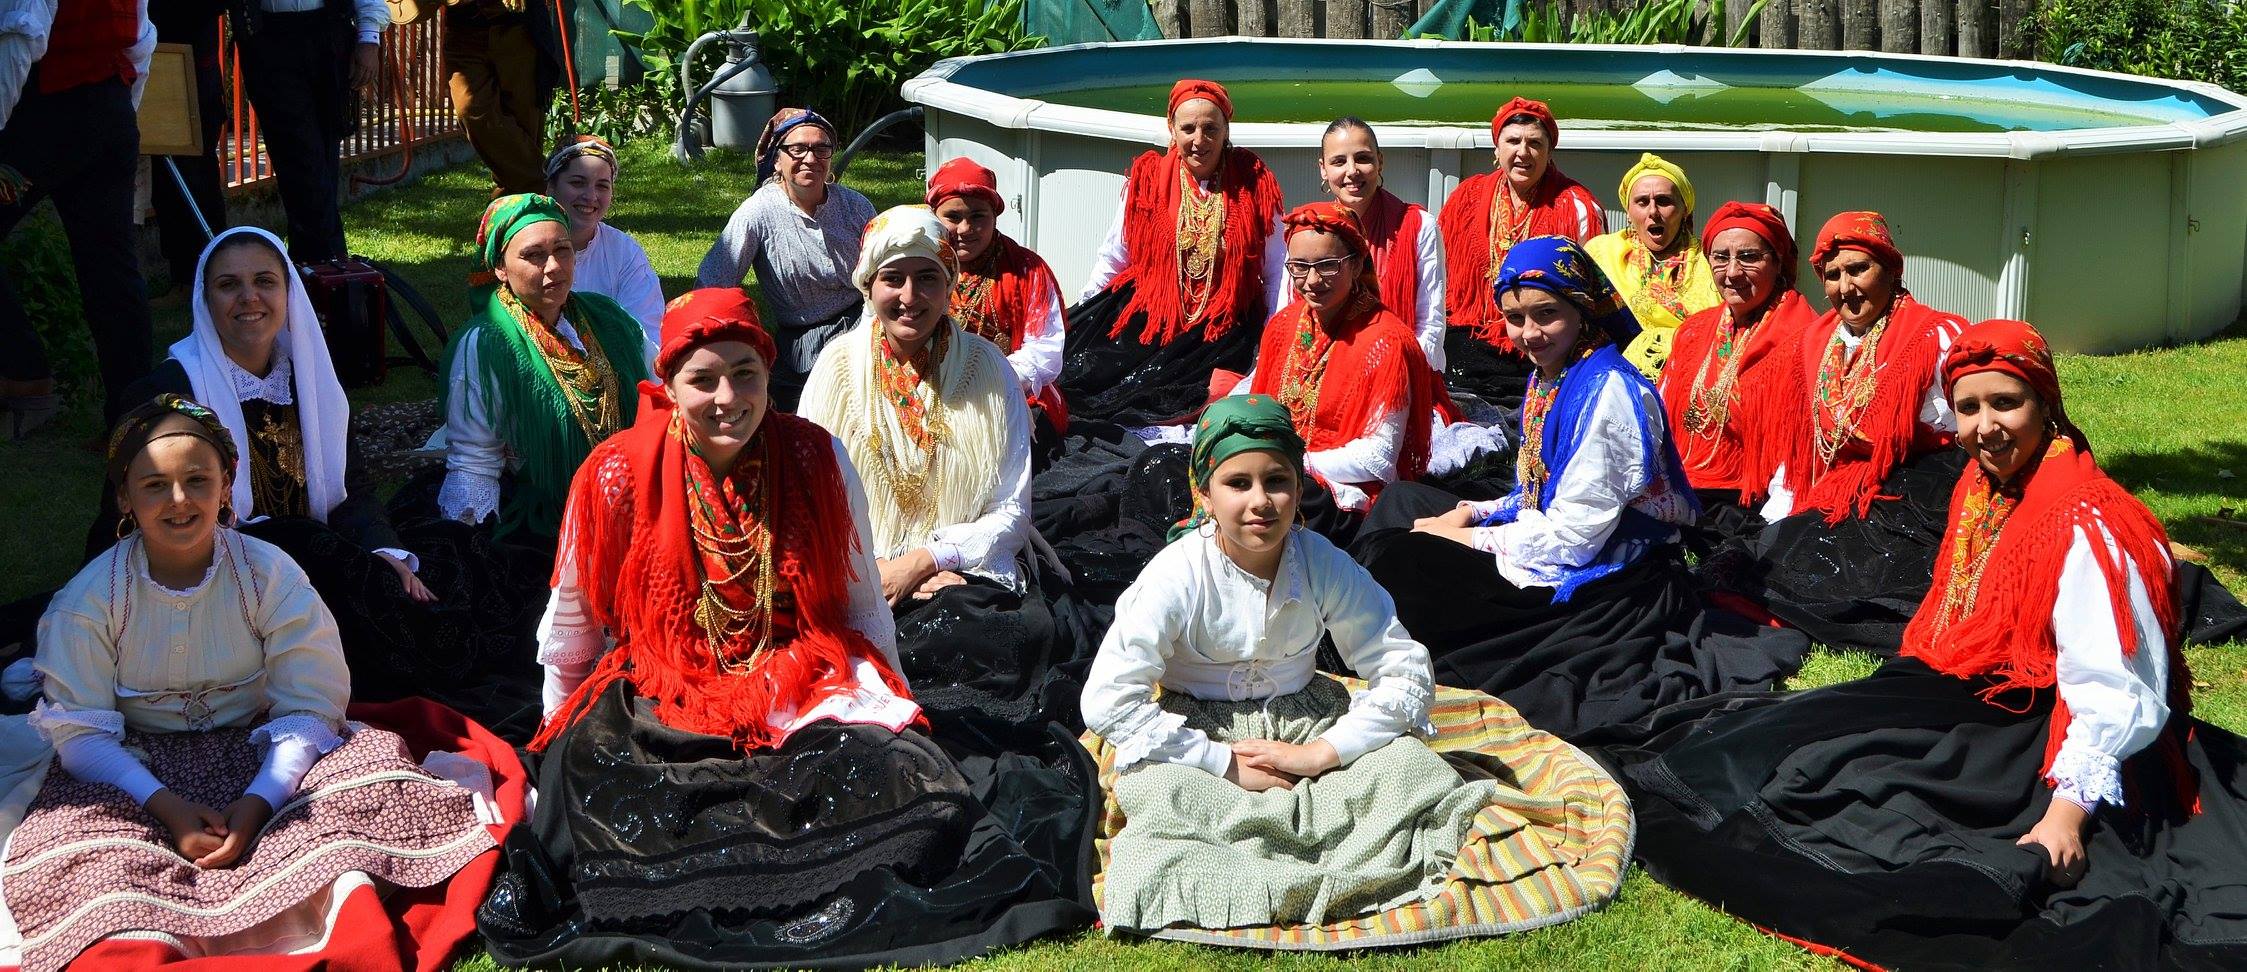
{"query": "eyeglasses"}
{"type": "Point", "coordinates": [819, 150]}
{"type": "Point", "coordinates": [1326, 269]}
{"type": "Point", "coordinates": [1744, 259]}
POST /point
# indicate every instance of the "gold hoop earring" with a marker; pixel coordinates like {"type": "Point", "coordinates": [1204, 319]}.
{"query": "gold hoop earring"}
{"type": "Point", "coordinates": [125, 525]}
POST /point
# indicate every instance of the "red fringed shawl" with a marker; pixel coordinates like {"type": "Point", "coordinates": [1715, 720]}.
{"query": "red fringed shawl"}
{"type": "Point", "coordinates": [637, 564]}
{"type": "Point", "coordinates": [1887, 428]}
{"type": "Point", "coordinates": [2008, 633]}
{"type": "Point", "coordinates": [1562, 207]}
{"type": "Point", "coordinates": [1373, 366]}
{"type": "Point", "coordinates": [1718, 459]}
{"type": "Point", "coordinates": [1252, 202]}
{"type": "Point", "coordinates": [1392, 228]}
{"type": "Point", "coordinates": [996, 297]}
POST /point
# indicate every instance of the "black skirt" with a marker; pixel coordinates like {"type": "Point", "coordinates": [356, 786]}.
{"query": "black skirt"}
{"type": "Point", "coordinates": [982, 648]}
{"type": "Point", "coordinates": [1129, 382]}
{"type": "Point", "coordinates": [848, 846]}
{"type": "Point", "coordinates": [1879, 817]}
{"type": "Point", "coordinates": [1856, 584]}
{"type": "Point", "coordinates": [470, 649]}
{"type": "Point", "coordinates": [1106, 506]}
{"type": "Point", "coordinates": [799, 349]}
{"type": "Point", "coordinates": [1473, 366]}
{"type": "Point", "coordinates": [1621, 647]}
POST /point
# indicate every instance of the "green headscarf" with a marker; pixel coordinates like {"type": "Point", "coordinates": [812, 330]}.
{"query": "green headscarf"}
{"type": "Point", "coordinates": [1233, 425]}
{"type": "Point", "coordinates": [535, 415]}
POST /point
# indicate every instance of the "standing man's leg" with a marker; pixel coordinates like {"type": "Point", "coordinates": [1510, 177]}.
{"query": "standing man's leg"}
{"type": "Point", "coordinates": [491, 67]}
{"type": "Point", "coordinates": [296, 73]}
{"type": "Point", "coordinates": [96, 206]}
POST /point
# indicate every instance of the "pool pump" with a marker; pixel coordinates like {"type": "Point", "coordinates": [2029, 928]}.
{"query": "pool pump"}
{"type": "Point", "coordinates": [743, 96]}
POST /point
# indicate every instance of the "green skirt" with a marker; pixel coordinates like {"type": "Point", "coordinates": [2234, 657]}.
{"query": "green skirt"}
{"type": "Point", "coordinates": [1202, 852]}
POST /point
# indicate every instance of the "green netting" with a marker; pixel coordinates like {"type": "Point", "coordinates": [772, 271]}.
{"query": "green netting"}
{"type": "Point", "coordinates": [602, 58]}
{"type": "Point", "coordinates": [1448, 18]}
{"type": "Point", "coordinates": [1082, 21]}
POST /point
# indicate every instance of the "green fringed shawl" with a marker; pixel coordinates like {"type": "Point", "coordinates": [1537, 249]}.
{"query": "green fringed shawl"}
{"type": "Point", "coordinates": [531, 413]}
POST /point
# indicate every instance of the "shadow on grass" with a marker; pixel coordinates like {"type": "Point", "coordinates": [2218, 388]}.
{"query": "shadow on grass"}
{"type": "Point", "coordinates": [2189, 471]}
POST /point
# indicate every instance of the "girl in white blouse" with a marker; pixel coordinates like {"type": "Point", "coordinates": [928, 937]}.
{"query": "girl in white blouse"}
{"type": "Point", "coordinates": [194, 692]}
{"type": "Point", "coordinates": [1206, 689]}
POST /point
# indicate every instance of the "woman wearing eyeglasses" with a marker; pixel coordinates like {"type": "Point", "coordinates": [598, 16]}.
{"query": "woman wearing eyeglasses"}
{"type": "Point", "coordinates": [800, 230]}
{"type": "Point", "coordinates": [1351, 373]}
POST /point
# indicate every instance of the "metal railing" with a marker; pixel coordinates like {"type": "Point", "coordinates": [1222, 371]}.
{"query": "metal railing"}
{"type": "Point", "coordinates": [411, 106]}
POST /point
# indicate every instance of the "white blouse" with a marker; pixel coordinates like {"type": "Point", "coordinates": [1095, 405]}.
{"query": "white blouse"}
{"type": "Point", "coordinates": [250, 644]}
{"type": "Point", "coordinates": [1037, 363]}
{"type": "Point", "coordinates": [1115, 253]}
{"type": "Point", "coordinates": [1195, 622]}
{"type": "Point", "coordinates": [475, 454]}
{"type": "Point", "coordinates": [615, 266]}
{"type": "Point", "coordinates": [570, 642]}
{"type": "Point", "coordinates": [2117, 704]}
{"type": "Point", "coordinates": [1540, 547]}
{"type": "Point", "coordinates": [1934, 414]}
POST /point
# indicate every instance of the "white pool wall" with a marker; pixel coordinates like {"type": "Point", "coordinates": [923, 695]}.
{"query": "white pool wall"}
{"type": "Point", "coordinates": [2108, 238]}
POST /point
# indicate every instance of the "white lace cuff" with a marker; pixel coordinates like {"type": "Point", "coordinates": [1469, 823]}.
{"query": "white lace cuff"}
{"type": "Point", "coordinates": [49, 718]}
{"type": "Point", "coordinates": [411, 560]}
{"type": "Point", "coordinates": [468, 497]}
{"type": "Point", "coordinates": [2087, 777]}
{"type": "Point", "coordinates": [310, 730]}
{"type": "Point", "coordinates": [1164, 738]}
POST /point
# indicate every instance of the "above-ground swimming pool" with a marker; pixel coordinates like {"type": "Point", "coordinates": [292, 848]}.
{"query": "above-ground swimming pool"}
{"type": "Point", "coordinates": [2111, 210]}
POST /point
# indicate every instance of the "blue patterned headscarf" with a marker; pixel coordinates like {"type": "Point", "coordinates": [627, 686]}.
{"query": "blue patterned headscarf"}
{"type": "Point", "coordinates": [784, 121]}
{"type": "Point", "coordinates": [1556, 265]}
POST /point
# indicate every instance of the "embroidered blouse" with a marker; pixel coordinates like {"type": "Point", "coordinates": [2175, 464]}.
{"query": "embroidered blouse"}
{"type": "Point", "coordinates": [249, 645]}
{"type": "Point", "coordinates": [1195, 622]}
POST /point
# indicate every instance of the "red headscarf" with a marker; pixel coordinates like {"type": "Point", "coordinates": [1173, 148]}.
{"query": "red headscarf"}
{"type": "Point", "coordinates": [2006, 634]}
{"type": "Point", "coordinates": [630, 537]}
{"type": "Point", "coordinates": [963, 177]}
{"type": "Point", "coordinates": [1190, 89]}
{"type": "Point", "coordinates": [1333, 217]}
{"type": "Point", "coordinates": [1763, 221]}
{"type": "Point", "coordinates": [700, 317]}
{"type": "Point", "coordinates": [1523, 106]}
{"type": "Point", "coordinates": [1858, 230]}
{"type": "Point", "coordinates": [2014, 348]}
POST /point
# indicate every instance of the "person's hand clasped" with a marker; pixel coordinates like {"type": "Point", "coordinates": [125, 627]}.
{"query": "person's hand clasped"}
{"type": "Point", "coordinates": [1286, 759]}
{"type": "Point", "coordinates": [208, 838]}
{"type": "Point", "coordinates": [1457, 525]}
{"type": "Point", "coordinates": [414, 587]}
{"type": "Point", "coordinates": [1254, 780]}
{"type": "Point", "coordinates": [903, 575]}
{"type": "Point", "coordinates": [937, 582]}
{"type": "Point", "coordinates": [2059, 834]}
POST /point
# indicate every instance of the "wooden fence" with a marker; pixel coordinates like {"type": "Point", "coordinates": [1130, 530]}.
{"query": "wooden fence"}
{"type": "Point", "coordinates": [1968, 28]}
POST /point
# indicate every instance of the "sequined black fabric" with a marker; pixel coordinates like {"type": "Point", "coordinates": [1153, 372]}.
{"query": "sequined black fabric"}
{"type": "Point", "coordinates": [846, 847]}
{"type": "Point", "coordinates": [1622, 647]}
{"type": "Point", "coordinates": [1124, 381]}
{"type": "Point", "coordinates": [1855, 584]}
{"type": "Point", "coordinates": [1880, 816]}
{"type": "Point", "coordinates": [980, 647]}
{"type": "Point", "coordinates": [1472, 366]}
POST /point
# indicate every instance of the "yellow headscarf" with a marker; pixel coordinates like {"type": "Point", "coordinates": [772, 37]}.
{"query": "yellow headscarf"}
{"type": "Point", "coordinates": [1652, 164]}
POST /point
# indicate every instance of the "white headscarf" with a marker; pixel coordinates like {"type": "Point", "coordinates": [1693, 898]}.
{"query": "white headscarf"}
{"type": "Point", "coordinates": [323, 414]}
{"type": "Point", "coordinates": [900, 233]}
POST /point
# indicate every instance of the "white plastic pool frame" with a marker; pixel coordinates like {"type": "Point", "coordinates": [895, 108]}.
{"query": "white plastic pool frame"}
{"type": "Point", "coordinates": [2107, 238]}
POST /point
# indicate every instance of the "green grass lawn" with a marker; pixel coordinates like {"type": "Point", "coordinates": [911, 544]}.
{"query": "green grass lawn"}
{"type": "Point", "coordinates": [2169, 424]}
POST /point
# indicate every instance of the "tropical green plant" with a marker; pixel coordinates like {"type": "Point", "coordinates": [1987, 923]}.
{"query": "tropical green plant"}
{"type": "Point", "coordinates": [2200, 40]}
{"type": "Point", "coordinates": [1649, 22]}
{"type": "Point", "coordinates": [846, 58]}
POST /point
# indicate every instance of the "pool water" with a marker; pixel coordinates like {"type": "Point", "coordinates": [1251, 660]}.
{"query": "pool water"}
{"type": "Point", "coordinates": [1663, 101]}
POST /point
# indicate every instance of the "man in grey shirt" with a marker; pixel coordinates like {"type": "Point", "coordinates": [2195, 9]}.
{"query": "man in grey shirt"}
{"type": "Point", "coordinates": [801, 233]}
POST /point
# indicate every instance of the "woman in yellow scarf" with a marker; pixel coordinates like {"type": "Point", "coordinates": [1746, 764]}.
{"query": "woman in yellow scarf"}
{"type": "Point", "coordinates": [1655, 260]}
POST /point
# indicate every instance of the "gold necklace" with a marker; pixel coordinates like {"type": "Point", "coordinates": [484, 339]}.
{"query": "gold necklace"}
{"type": "Point", "coordinates": [914, 490]}
{"type": "Point", "coordinates": [1506, 229]}
{"type": "Point", "coordinates": [1201, 234]}
{"type": "Point", "coordinates": [750, 549]}
{"type": "Point", "coordinates": [1709, 405]}
{"type": "Point", "coordinates": [1845, 388]}
{"type": "Point", "coordinates": [589, 384]}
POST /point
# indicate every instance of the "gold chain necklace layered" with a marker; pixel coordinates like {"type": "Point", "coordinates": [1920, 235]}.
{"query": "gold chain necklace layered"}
{"type": "Point", "coordinates": [1709, 404]}
{"type": "Point", "coordinates": [1201, 233]}
{"type": "Point", "coordinates": [589, 384]}
{"type": "Point", "coordinates": [1305, 368]}
{"type": "Point", "coordinates": [738, 548]}
{"type": "Point", "coordinates": [1506, 228]}
{"type": "Point", "coordinates": [1845, 388]}
{"type": "Point", "coordinates": [1982, 515]}
{"type": "Point", "coordinates": [974, 308]}
{"type": "Point", "coordinates": [926, 426]}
